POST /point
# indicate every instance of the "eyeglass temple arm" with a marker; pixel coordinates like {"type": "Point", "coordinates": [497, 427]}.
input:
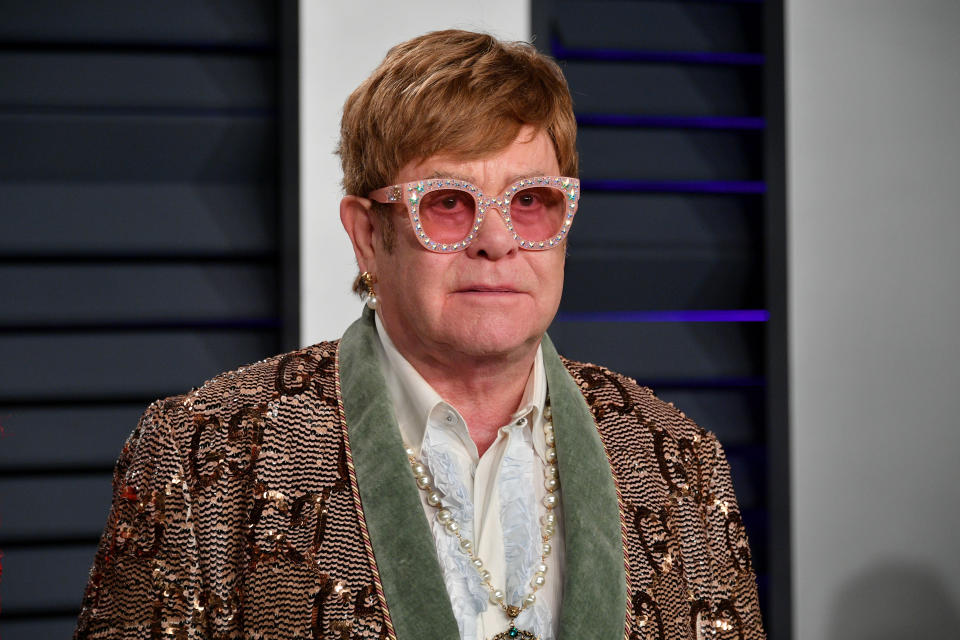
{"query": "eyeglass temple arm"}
{"type": "Point", "coordinates": [387, 195]}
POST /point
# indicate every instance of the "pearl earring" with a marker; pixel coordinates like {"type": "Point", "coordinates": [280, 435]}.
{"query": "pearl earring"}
{"type": "Point", "coordinates": [368, 280]}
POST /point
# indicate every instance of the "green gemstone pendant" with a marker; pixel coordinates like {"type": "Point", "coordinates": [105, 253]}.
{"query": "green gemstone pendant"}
{"type": "Point", "coordinates": [515, 634]}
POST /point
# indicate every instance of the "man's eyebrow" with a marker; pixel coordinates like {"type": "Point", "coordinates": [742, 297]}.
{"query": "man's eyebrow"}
{"type": "Point", "coordinates": [447, 174]}
{"type": "Point", "coordinates": [533, 173]}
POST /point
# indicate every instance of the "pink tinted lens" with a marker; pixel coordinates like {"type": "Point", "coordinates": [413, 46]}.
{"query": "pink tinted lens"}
{"type": "Point", "coordinates": [447, 215]}
{"type": "Point", "coordinates": [537, 212]}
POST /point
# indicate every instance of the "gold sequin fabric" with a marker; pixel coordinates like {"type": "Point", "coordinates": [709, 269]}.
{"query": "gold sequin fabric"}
{"type": "Point", "coordinates": [688, 562]}
{"type": "Point", "coordinates": [234, 516]}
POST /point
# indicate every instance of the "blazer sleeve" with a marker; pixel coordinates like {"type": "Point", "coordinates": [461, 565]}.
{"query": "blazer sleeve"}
{"type": "Point", "coordinates": [145, 580]}
{"type": "Point", "coordinates": [738, 607]}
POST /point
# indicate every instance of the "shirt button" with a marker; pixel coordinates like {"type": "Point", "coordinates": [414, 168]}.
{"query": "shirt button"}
{"type": "Point", "coordinates": [522, 422]}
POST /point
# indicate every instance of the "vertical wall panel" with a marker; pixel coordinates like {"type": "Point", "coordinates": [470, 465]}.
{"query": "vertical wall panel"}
{"type": "Point", "coordinates": [874, 93]}
{"type": "Point", "coordinates": [342, 44]}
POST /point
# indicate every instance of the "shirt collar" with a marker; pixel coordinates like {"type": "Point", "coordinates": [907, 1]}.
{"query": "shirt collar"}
{"type": "Point", "coordinates": [415, 399]}
{"type": "Point", "coordinates": [531, 405]}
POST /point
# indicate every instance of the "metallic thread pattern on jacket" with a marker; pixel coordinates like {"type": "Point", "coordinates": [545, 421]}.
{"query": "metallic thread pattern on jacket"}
{"type": "Point", "coordinates": [690, 574]}
{"type": "Point", "coordinates": [233, 516]}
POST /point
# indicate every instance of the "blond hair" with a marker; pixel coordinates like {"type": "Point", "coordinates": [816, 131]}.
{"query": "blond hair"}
{"type": "Point", "coordinates": [457, 92]}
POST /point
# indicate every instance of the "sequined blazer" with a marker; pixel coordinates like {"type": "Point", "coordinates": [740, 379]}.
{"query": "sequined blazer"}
{"type": "Point", "coordinates": [276, 502]}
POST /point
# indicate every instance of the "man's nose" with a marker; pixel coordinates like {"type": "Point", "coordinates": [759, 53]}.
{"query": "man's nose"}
{"type": "Point", "coordinates": [494, 240]}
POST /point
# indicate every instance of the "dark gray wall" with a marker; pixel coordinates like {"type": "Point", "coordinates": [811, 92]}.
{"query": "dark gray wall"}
{"type": "Point", "coordinates": [675, 269]}
{"type": "Point", "coordinates": [144, 247]}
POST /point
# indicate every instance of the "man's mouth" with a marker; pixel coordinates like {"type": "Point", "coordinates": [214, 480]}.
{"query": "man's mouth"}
{"type": "Point", "coordinates": [488, 288]}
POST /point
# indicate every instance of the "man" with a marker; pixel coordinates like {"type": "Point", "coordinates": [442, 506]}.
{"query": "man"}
{"type": "Point", "coordinates": [439, 472]}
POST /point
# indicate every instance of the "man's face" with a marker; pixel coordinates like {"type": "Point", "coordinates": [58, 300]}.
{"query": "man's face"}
{"type": "Point", "coordinates": [492, 299]}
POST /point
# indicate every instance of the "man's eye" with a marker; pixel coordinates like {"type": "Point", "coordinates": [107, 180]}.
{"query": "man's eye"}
{"type": "Point", "coordinates": [447, 202]}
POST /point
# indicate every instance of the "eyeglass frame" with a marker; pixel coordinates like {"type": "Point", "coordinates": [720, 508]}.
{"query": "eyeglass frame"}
{"type": "Point", "coordinates": [394, 194]}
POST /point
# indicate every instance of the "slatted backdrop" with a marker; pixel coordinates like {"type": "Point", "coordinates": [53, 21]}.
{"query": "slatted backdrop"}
{"type": "Point", "coordinates": [144, 247]}
{"type": "Point", "coordinates": [674, 275]}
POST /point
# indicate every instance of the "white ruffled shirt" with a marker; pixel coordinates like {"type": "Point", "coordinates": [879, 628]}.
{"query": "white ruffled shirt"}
{"type": "Point", "coordinates": [496, 498]}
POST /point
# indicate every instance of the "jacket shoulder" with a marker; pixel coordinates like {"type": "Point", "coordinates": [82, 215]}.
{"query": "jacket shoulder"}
{"type": "Point", "coordinates": [610, 394]}
{"type": "Point", "coordinates": [237, 395]}
{"type": "Point", "coordinates": [258, 382]}
{"type": "Point", "coordinates": [683, 526]}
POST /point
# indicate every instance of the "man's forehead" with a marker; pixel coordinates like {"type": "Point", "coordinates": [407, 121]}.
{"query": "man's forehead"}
{"type": "Point", "coordinates": [530, 154]}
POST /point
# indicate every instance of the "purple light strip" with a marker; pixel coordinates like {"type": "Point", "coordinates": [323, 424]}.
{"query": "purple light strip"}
{"type": "Point", "coordinates": [675, 186]}
{"type": "Point", "coordinates": [200, 324]}
{"type": "Point", "coordinates": [141, 46]}
{"type": "Point", "coordinates": [716, 315]}
{"type": "Point", "coordinates": [87, 111]}
{"type": "Point", "coordinates": [673, 122]}
{"type": "Point", "coordinates": [561, 52]}
{"type": "Point", "coordinates": [703, 383]}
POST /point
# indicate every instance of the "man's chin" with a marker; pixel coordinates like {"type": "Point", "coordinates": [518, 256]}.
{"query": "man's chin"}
{"type": "Point", "coordinates": [498, 343]}
{"type": "Point", "coordinates": [480, 301]}
{"type": "Point", "coordinates": [502, 327]}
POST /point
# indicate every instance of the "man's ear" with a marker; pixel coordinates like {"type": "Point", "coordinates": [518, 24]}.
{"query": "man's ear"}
{"type": "Point", "coordinates": [357, 217]}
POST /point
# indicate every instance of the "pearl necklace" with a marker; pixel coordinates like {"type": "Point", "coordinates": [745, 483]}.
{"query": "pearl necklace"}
{"type": "Point", "coordinates": [548, 523]}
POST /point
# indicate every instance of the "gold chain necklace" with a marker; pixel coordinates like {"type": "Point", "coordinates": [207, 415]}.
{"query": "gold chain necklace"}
{"type": "Point", "coordinates": [548, 523]}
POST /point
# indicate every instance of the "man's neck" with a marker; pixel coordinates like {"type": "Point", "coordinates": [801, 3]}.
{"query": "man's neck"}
{"type": "Point", "coordinates": [486, 397]}
{"type": "Point", "coordinates": [485, 390]}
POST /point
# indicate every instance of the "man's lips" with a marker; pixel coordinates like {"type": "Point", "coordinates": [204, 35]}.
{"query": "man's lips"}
{"type": "Point", "coordinates": [488, 288]}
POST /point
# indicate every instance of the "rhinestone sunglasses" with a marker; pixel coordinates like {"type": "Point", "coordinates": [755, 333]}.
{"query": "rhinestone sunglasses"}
{"type": "Point", "coordinates": [446, 213]}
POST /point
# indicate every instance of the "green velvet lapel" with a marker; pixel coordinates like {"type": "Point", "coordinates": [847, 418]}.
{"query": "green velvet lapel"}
{"type": "Point", "coordinates": [402, 543]}
{"type": "Point", "coordinates": [594, 590]}
{"type": "Point", "coordinates": [594, 585]}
